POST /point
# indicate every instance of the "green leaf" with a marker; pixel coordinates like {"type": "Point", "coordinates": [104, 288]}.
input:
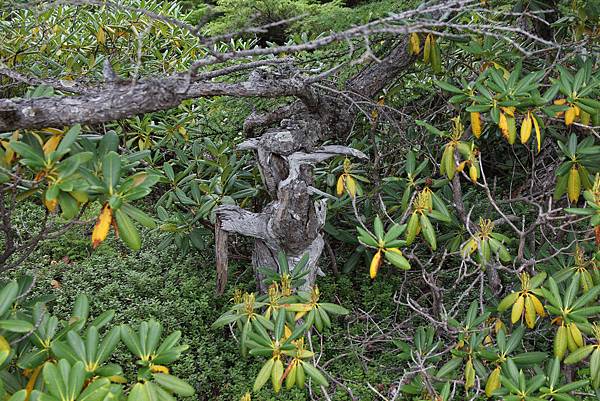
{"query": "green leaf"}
{"type": "Point", "coordinates": [579, 354]}
{"type": "Point", "coordinates": [449, 367]}
{"type": "Point", "coordinates": [263, 375]}
{"type": "Point", "coordinates": [111, 170]}
{"type": "Point", "coordinates": [139, 216]}
{"type": "Point", "coordinates": [448, 87]}
{"type": "Point", "coordinates": [127, 231]}
{"type": "Point", "coordinates": [174, 384]}
{"type": "Point", "coordinates": [334, 308]}
{"type": "Point", "coordinates": [397, 260]}
{"type": "Point", "coordinates": [19, 396]}
{"type": "Point", "coordinates": [378, 228]}
{"type": "Point", "coordinates": [394, 232]}
{"type": "Point", "coordinates": [27, 152]}
{"type": "Point", "coordinates": [16, 326]}
{"type": "Point", "coordinates": [70, 137]}
{"type": "Point", "coordinates": [225, 319]}
{"type": "Point", "coordinates": [314, 374]}
{"type": "Point", "coordinates": [428, 231]}
{"type": "Point", "coordinates": [8, 295]}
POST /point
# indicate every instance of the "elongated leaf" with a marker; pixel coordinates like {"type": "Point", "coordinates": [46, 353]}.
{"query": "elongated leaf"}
{"type": "Point", "coordinates": [174, 384]}
{"type": "Point", "coordinates": [263, 375]}
{"type": "Point", "coordinates": [68, 140]}
{"type": "Point", "coordinates": [127, 231]}
{"type": "Point", "coordinates": [111, 170]}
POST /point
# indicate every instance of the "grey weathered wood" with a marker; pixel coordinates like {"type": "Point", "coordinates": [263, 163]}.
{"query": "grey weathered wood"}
{"type": "Point", "coordinates": [292, 222]}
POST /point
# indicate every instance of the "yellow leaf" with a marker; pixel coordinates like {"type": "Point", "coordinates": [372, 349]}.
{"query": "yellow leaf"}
{"type": "Point", "coordinates": [509, 110]}
{"type": "Point", "coordinates": [576, 335]}
{"type": "Point", "coordinates": [351, 186]}
{"type": "Point", "coordinates": [539, 308]}
{"type": "Point", "coordinates": [375, 263]}
{"type": "Point", "coordinates": [573, 185]}
{"type": "Point", "coordinates": [493, 382]}
{"type": "Point", "coordinates": [299, 315]}
{"type": "Point", "coordinates": [503, 125]}
{"type": "Point", "coordinates": [538, 135]}
{"type": "Point", "coordinates": [560, 102]}
{"type": "Point", "coordinates": [50, 204]}
{"type": "Point", "coordinates": [286, 332]}
{"type": "Point", "coordinates": [469, 375]}
{"type": "Point", "coordinates": [340, 185]}
{"type": "Point", "coordinates": [473, 173]}
{"type": "Point", "coordinates": [570, 116]}
{"type": "Point", "coordinates": [51, 144]}
{"type": "Point", "coordinates": [101, 36]}
{"type": "Point", "coordinates": [529, 312]}
{"type": "Point", "coordinates": [461, 166]}
{"type": "Point", "coordinates": [159, 369]}
{"type": "Point", "coordinates": [476, 124]}
{"type": "Point", "coordinates": [415, 44]}
{"type": "Point", "coordinates": [102, 226]}
{"type": "Point", "coordinates": [517, 309]}
{"type": "Point", "coordinates": [526, 126]}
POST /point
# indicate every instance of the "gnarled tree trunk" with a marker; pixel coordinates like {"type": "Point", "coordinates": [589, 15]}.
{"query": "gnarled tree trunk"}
{"type": "Point", "coordinates": [293, 220]}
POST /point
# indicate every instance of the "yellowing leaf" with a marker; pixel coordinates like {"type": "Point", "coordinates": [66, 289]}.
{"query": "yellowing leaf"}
{"type": "Point", "coordinates": [560, 342]}
{"type": "Point", "coordinates": [512, 129]}
{"type": "Point", "coordinates": [585, 118]}
{"type": "Point", "coordinates": [503, 125]}
{"type": "Point", "coordinates": [375, 264]}
{"type": "Point", "coordinates": [351, 186]}
{"type": "Point", "coordinates": [101, 36]}
{"type": "Point", "coordinates": [427, 48]}
{"type": "Point", "coordinates": [473, 173]}
{"type": "Point", "coordinates": [573, 185]}
{"type": "Point", "coordinates": [51, 144]}
{"type": "Point", "coordinates": [159, 369]}
{"type": "Point", "coordinates": [539, 308]}
{"type": "Point", "coordinates": [576, 334]}
{"type": "Point", "coordinates": [4, 349]}
{"type": "Point", "coordinates": [415, 43]}
{"type": "Point", "coordinates": [529, 312]}
{"type": "Point", "coordinates": [538, 135]}
{"type": "Point", "coordinates": [102, 226]}
{"type": "Point", "coordinates": [517, 309]}
{"type": "Point", "coordinates": [570, 116]}
{"type": "Point", "coordinates": [526, 126]}
{"type": "Point", "coordinates": [476, 124]}
{"type": "Point", "coordinates": [493, 382]}
{"type": "Point", "coordinates": [469, 374]}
